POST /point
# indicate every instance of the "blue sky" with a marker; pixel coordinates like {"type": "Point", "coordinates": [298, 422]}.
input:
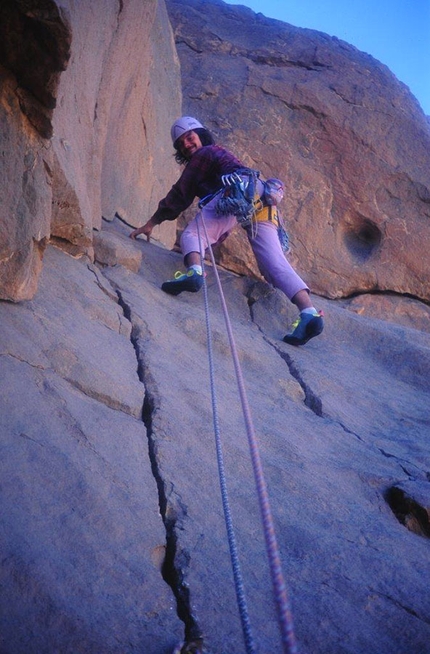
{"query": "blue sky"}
{"type": "Point", "coordinates": [396, 32]}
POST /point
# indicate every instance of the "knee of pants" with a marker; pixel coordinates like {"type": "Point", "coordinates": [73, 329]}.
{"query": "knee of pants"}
{"type": "Point", "coordinates": [190, 241]}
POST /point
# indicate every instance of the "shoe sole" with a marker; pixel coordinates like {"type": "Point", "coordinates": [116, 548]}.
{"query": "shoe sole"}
{"type": "Point", "coordinates": [313, 328]}
{"type": "Point", "coordinates": [172, 288]}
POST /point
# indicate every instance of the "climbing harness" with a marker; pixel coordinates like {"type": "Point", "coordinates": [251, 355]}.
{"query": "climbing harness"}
{"type": "Point", "coordinates": [279, 587]}
{"type": "Point", "coordinates": [272, 196]}
{"type": "Point", "coordinates": [239, 197]}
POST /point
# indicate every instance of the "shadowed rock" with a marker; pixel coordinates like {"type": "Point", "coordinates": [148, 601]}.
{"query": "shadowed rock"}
{"type": "Point", "coordinates": [35, 40]}
{"type": "Point", "coordinates": [109, 477]}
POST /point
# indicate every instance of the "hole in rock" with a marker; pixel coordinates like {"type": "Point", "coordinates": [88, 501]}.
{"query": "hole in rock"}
{"type": "Point", "coordinates": [361, 237]}
{"type": "Point", "coordinates": [408, 511]}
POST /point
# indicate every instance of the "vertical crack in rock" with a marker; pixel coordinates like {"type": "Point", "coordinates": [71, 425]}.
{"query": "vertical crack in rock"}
{"type": "Point", "coordinates": [172, 509]}
{"type": "Point", "coordinates": [312, 401]}
{"type": "Point", "coordinates": [176, 559]}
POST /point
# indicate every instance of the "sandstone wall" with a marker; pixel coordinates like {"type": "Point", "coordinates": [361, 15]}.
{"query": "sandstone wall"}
{"type": "Point", "coordinates": [349, 139]}
{"type": "Point", "coordinates": [34, 49]}
{"type": "Point", "coordinates": [113, 537]}
{"type": "Point", "coordinates": [87, 93]}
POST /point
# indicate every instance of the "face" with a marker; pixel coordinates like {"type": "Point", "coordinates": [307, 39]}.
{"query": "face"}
{"type": "Point", "coordinates": [189, 143]}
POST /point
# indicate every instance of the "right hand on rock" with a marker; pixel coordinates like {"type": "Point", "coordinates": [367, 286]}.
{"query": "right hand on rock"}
{"type": "Point", "coordinates": [146, 230]}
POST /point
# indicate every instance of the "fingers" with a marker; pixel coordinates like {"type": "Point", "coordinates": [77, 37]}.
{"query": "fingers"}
{"type": "Point", "coordinates": [146, 230]}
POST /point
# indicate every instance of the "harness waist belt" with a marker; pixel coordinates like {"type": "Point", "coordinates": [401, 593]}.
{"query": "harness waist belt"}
{"type": "Point", "coordinates": [266, 214]}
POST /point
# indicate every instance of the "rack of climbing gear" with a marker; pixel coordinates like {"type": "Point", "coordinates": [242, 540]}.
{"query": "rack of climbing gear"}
{"type": "Point", "coordinates": [238, 196]}
{"type": "Point", "coordinates": [284, 614]}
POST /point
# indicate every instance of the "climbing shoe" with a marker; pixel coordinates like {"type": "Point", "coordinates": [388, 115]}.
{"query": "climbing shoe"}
{"type": "Point", "coordinates": [191, 281]}
{"type": "Point", "coordinates": [305, 327]}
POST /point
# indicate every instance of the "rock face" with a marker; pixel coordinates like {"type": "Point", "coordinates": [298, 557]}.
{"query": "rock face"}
{"type": "Point", "coordinates": [85, 96]}
{"type": "Point", "coordinates": [106, 398]}
{"type": "Point", "coordinates": [350, 141]}
{"type": "Point", "coordinates": [114, 101]}
{"type": "Point", "coordinates": [82, 541]}
{"type": "Point", "coordinates": [113, 536]}
{"type": "Point", "coordinates": [34, 49]}
{"type": "Point", "coordinates": [25, 197]}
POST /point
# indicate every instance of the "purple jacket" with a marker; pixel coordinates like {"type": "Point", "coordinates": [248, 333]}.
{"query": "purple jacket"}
{"type": "Point", "coordinates": [201, 177]}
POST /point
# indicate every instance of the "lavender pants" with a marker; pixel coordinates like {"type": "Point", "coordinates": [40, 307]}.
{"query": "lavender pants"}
{"type": "Point", "coordinates": [264, 242]}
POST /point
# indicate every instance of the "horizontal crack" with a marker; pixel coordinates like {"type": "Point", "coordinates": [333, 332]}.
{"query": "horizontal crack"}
{"type": "Point", "coordinates": [403, 607]}
{"type": "Point", "coordinates": [385, 292]}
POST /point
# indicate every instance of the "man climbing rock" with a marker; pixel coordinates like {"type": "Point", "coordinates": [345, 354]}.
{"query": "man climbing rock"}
{"type": "Point", "coordinates": [210, 173]}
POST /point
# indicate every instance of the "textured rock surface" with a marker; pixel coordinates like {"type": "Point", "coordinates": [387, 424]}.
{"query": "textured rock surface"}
{"type": "Point", "coordinates": [82, 540]}
{"type": "Point", "coordinates": [343, 431]}
{"type": "Point", "coordinates": [34, 50]}
{"type": "Point", "coordinates": [109, 483]}
{"type": "Point", "coordinates": [350, 141]}
{"type": "Point", "coordinates": [25, 197]}
{"type": "Point", "coordinates": [109, 251]}
{"type": "Point", "coordinates": [117, 95]}
{"type": "Point", "coordinates": [331, 420]}
{"type": "Point", "coordinates": [402, 310]}
{"type": "Point", "coordinates": [101, 79]}
{"type": "Point", "coordinates": [35, 47]}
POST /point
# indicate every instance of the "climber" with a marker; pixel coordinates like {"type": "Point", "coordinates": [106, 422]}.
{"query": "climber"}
{"type": "Point", "coordinates": [205, 165]}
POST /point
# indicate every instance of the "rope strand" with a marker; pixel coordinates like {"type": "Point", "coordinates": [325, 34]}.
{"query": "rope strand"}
{"type": "Point", "coordinates": [280, 591]}
{"type": "Point", "coordinates": [237, 573]}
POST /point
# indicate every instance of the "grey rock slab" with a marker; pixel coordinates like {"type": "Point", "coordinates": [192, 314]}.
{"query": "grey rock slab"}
{"type": "Point", "coordinates": [82, 539]}
{"type": "Point", "coordinates": [73, 327]}
{"type": "Point", "coordinates": [83, 542]}
{"type": "Point", "coordinates": [356, 576]}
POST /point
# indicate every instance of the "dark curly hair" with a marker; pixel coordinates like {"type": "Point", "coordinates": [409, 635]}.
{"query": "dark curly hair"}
{"type": "Point", "coordinates": [206, 138]}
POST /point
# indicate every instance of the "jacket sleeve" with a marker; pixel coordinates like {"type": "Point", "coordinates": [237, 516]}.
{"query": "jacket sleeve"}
{"type": "Point", "coordinates": [183, 192]}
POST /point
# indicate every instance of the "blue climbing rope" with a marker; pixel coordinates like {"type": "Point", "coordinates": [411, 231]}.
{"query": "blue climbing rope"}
{"type": "Point", "coordinates": [285, 618]}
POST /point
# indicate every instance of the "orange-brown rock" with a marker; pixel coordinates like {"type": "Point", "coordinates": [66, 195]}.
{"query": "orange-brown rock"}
{"type": "Point", "coordinates": [25, 196]}
{"type": "Point", "coordinates": [34, 49]}
{"type": "Point", "coordinates": [87, 91]}
{"type": "Point", "coordinates": [348, 138]}
{"type": "Point", "coordinates": [115, 99]}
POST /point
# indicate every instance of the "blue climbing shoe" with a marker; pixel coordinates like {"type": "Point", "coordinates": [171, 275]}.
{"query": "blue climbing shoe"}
{"type": "Point", "coordinates": [191, 281]}
{"type": "Point", "coordinates": [305, 327]}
